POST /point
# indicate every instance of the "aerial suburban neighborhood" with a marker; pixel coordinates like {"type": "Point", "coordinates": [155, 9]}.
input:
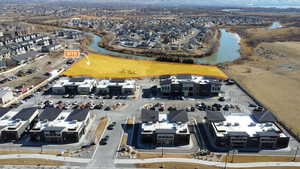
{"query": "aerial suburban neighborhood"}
{"type": "Point", "coordinates": [164, 84]}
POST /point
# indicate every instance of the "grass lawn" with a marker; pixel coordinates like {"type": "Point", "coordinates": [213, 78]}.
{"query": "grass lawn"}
{"type": "Point", "coordinates": [102, 66]}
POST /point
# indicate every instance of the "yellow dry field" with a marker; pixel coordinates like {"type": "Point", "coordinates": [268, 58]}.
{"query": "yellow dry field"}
{"type": "Point", "coordinates": [102, 66]}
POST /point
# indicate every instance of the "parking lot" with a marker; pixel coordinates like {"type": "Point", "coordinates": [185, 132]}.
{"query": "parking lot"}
{"type": "Point", "coordinates": [118, 109]}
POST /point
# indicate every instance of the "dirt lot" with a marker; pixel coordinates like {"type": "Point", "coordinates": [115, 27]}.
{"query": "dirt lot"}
{"type": "Point", "coordinates": [156, 155]}
{"type": "Point", "coordinates": [2, 152]}
{"type": "Point", "coordinates": [272, 76]}
{"type": "Point", "coordinates": [196, 166]}
{"type": "Point", "coordinates": [42, 66]}
{"type": "Point", "coordinates": [100, 128]}
{"type": "Point", "coordinates": [30, 161]}
{"type": "Point", "coordinates": [254, 158]}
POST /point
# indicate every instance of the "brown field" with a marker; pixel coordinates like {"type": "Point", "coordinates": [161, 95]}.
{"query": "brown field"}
{"type": "Point", "coordinates": [197, 166]}
{"type": "Point", "coordinates": [20, 151]}
{"type": "Point", "coordinates": [254, 36]}
{"type": "Point", "coordinates": [250, 158]}
{"type": "Point", "coordinates": [30, 161]}
{"type": "Point", "coordinates": [272, 76]}
{"type": "Point", "coordinates": [100, 128]}
{"type": "Point", "coordinates": [157, 155]}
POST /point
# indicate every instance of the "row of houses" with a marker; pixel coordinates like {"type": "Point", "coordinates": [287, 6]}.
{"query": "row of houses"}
{"type": "Point", "coordinates": [50, 125]}
{"type": "Point", "coordinates": [21, 48]}
{"type": "Point", "coordinates": [69, 34]}
{"type": "Point", "coordinates": [85, 86]}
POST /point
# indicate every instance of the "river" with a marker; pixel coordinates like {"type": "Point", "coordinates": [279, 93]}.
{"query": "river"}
{"type": "Point", "coordinates": [229, 49]}
{"type": "Point", "coordinates": [275, 25]}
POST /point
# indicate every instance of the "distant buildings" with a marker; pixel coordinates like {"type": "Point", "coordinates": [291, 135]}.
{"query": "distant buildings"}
{"type": "Point", "coordinates": [258, 130]}
{"type": "Point", "coordinates": [165, 129]}
{"type": "Point", "coordinates": [69, 34]}
{"type": "Point", "coordinates": [189, 86]}
{"type": "Point", "coordinates": [6, 95]}
{"type": "Point", "coordinates": [55, 125]}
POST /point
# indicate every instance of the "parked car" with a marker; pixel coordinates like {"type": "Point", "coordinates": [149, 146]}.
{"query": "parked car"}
{"type": "Point", "coordinates": [66, 96]}
{"type": "Point", "coordinates": [103, 142]}
{"type": "Point", "coordinates": [110, 127]}
{"type": "Point", "coordinates": [222, 99]}
{"type": "Point", "coordinates": [107, 108]}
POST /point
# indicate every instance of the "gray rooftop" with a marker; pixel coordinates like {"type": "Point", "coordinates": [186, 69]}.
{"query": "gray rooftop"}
{"type": "Point", "coordinates": [178, 116]}
{"type": "Point", "coordinates": [215, 116]}
{"type": "Point", "coordinates": [25, 113]}
{"type": "Point", "coordinates": [3, 111]}
{"type": "Point", "coordinates": [264, 117]}
{"type": "Point", "coordinates": [50, 114]}
{"type": "Point", "coordinates": [149, 115]}
{"type": "Point", "coordinates": [78, 114]}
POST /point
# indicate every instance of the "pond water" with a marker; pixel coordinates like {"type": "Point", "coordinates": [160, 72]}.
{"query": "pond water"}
{"type": "Point", "coordinates": [275, 25]}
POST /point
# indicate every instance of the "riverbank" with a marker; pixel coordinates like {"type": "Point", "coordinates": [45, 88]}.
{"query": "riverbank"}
{"type": "Point", "coordinates": [212, 44]}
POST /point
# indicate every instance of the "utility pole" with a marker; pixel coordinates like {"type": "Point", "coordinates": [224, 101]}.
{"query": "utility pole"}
{"type": "Point", "coordinates": [233, 152]}
{"type": "Point", "coordinates": [162, 153]}
{"type": "Point", "coordinates": [227, 154]}
{"type": "Point", "coordinates": [296, 153]}
{"type": "Point", "coordinates": [162, 150]}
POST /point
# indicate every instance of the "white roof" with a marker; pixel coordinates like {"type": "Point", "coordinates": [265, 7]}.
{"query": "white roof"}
{"type": "Point", "coordinates": [164, 124]}
{"type": "Point", "coordinates": [242, 122]}
{"type": "Point", "coordinates": [66, 81]}
{"type": "Point", "coordinates": [4, 91]}
{"type": "Point", "coordinates": [195, 79]}
{"type": "Point", "coordinates": [60, 121]}
{"type": "Point", "coordinates": [6, 120]}
{"type": "Point", "coordinates": [128, 84]}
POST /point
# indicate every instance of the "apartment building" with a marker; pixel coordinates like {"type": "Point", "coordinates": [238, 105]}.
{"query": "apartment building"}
{"type": "Point", "coordinates": [246, 130]}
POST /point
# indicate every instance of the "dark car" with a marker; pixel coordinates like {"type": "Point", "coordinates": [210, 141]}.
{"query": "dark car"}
{"type": "Point", "coordinates": [110, 127]}
{"type": "Point", "coordinates": [252, 105]}
{"type": "Point", "coordinates": [107, 108]}
{"type": "Point", "coordinates": [103, 142]}
{"type": "Point", "coordinates": [222, 99]}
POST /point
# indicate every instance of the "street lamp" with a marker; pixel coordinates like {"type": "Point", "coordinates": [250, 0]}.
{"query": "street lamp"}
{"type": "Point", "coordinates": [296, 153]}
{"type": "Point", "coordinates": [227, 154]}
